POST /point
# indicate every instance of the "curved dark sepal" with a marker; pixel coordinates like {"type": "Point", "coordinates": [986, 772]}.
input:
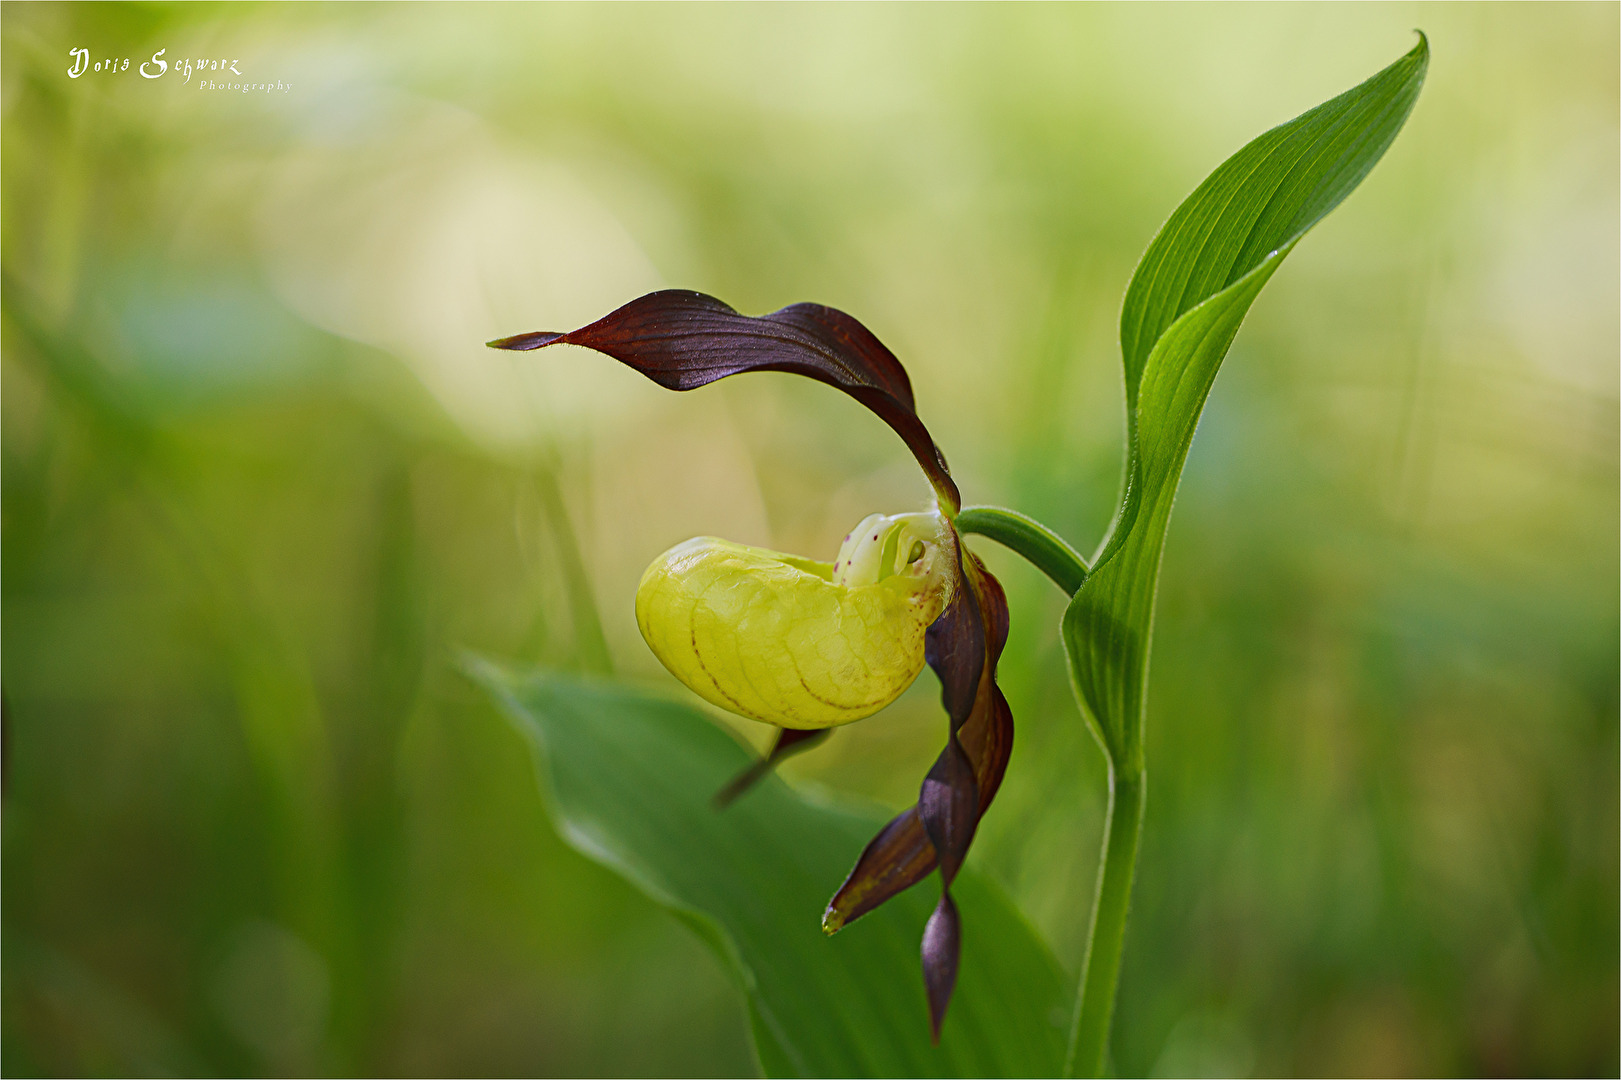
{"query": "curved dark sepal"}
{"type": "Point", "coordinates": [789, 742]}
{"type": "Point", "coordinates": [683, 340]}
{"type": "Point", "coordinates": [942, 948]}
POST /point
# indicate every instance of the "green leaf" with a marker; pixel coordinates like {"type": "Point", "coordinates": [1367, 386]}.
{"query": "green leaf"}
{"type": "Point", "coordinates": [629, 778]}
{"type": "Point", "coordinates": [1183, 307]}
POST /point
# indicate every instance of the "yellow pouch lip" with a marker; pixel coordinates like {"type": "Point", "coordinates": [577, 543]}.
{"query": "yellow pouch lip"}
{"type": "Point", "coordinates": [777, 638]}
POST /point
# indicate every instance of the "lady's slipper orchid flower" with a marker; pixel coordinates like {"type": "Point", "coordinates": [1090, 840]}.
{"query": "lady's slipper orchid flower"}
{"type": "Point", "coordinates": [807, 646]}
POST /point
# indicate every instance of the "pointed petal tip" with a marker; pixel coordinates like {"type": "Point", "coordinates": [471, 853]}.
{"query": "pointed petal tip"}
{"type": "Point", "coordinates": [897, 858]}
{"type": "Point", "coordinates": [832, 921]}
{"type": "Point", "coordinates": [942, 948]}
{"type": "Point", "coordinates": [535, 339]}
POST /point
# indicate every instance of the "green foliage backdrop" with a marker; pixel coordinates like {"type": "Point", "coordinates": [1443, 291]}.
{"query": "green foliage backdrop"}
{"type": "Point", "coordinates": [262, 484]}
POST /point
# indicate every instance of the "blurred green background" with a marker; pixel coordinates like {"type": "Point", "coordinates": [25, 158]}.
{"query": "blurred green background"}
{"type": "Point", "coordinates": [262, 480]}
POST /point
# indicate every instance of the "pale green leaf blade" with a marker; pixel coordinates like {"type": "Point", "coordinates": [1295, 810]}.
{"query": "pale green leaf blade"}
{"type": "Point", "coordinates": [1262, 199]}
{"type": "Point", "coordinates": [1185, 303]}
{"type": "Point", "coordinates": [629, 777]}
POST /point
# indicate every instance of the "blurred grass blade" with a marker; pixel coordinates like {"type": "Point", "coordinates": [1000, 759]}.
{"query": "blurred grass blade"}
{"type": "Point", "coordinates": [629, 779]}
{"type": "Point", "coordinates": [1183, 307]}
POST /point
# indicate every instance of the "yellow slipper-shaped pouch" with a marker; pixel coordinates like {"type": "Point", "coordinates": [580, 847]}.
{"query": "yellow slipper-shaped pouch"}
{"type": "Point", "coordinates": [794, 642]}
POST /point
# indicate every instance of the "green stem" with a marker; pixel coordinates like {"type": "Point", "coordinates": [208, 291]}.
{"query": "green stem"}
{"type": "Point", "coordinates": [1122, 825]}
{"type": "Point", "coordinates": [1044, 548]}
{"type": "Point", "coordinates": [1100, 973]}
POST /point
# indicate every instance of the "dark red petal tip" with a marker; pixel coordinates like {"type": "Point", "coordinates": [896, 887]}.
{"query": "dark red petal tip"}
{"type": "Point", "coordinates": [535, 339]}
{"type": "Point", "coordinates": [899, 857]}
{"type": "Point", "coordinates": [942, 948]}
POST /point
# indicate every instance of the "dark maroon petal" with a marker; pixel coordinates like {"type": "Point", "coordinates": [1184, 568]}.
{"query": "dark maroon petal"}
{"type": "Point", "coordinates": [683, 340]}
{"type": "Point", "coordinates": [954, 647]}
{"type": "Point", "coordinates": [942, 946]}
{"type": "Point", "coordinates": [948, 805]}
{"type": "Point", "coordinates": [957, 648]}
{"type": "Point", "coordinates": [899, 857]}
{"type": "Point", "coordinates": [789, 742]}
{"type": "Point", "coordinates": [987, 737]}
{"type": "Point", "coordinates": [902, 855]}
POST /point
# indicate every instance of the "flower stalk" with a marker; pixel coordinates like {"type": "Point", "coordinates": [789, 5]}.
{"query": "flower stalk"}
{"type": "Point", "coordinates": [1024, 535]}
{"type": "Point", "coordinates": [1106, 937]}
{"type": "Point", "coordinates": [1123, 818]}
